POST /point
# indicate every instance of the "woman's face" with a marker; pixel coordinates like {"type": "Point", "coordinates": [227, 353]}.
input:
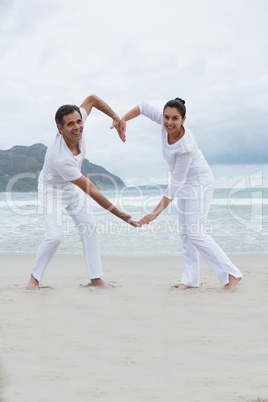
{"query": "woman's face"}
{"type": "Point", "coordinates": [172, 120]}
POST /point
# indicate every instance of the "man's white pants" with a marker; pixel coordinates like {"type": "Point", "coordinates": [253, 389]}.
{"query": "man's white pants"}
{"type": "Point", "coordinates": [193, 212]}
{"type": "Point", "coordinates": [76, 203]}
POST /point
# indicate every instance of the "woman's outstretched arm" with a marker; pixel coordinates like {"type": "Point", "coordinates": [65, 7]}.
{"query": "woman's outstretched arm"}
{"type": "Point", "coordinates": [135, 112]}
{"type": "Point", "coordinates": [157, 211]}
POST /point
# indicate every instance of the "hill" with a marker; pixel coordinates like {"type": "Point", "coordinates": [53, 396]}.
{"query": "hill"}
{"type": "Point", "coordinates": [20, 167]}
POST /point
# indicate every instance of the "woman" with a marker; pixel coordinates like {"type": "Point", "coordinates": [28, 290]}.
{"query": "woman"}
{"type": "Point", "coordinates": [192, 183]}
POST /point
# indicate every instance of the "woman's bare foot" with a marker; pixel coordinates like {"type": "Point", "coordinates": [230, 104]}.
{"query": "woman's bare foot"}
{"type": "Point", "coordinates": [99, 283]}
{"type": "Point", "coordinates": [184, 287]}
{"type": "Point", "coordinates": [230, 287]}
{"type": "Point", "coordinates": [33, 284]}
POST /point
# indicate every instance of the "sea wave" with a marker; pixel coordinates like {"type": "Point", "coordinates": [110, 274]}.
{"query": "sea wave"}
{"type": "Point", "coordinates": [238, 224]}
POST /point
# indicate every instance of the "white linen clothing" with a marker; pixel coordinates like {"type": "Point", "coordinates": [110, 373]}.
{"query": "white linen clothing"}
{"type": "Point", "coordinates": [187, 164]}
{"type": "Point", "coordinates": [76, 203]}
{"type": "Point", "coordinates": [192, 183]}
{"type": "Point", "coordinates": [58, 194]}
{"type": "Point", "coordinates": [193, 213]}
{"type": "Point", "coordinates": [60, 165]}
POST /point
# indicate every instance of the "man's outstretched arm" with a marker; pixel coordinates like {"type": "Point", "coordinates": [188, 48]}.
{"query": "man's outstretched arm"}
{"type": "Point", "coordinates": [94, 101]}
{"type": "Point", "coordinates": [88, 187]}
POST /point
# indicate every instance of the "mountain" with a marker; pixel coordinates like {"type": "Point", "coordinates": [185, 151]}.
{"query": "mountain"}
{"type": "Point", "coordinates": [20, 167]}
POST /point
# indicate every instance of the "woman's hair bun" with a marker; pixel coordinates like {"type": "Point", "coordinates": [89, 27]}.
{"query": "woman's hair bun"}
{"type": "Point", "coordinates": [181, 100]}
{"type": "Point", "coordinates": [179, 104]}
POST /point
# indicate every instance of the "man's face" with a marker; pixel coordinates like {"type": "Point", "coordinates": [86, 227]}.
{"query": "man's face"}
{"type": "Point", "coordinates": [72, 128]}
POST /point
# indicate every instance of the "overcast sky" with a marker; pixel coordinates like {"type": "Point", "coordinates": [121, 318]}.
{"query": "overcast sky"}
{"type": "Point", "coordinates": [211, 53]}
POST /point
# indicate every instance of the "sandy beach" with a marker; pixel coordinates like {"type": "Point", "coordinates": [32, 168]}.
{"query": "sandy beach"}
{"type": "Point", "coordinates": [140, 341]}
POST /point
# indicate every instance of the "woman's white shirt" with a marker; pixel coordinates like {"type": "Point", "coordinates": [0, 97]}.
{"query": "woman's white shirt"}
{"type": "Point", "coordinates": [187, 164]}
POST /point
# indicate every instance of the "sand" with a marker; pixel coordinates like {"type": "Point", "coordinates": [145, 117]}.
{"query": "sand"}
{"type": "Point", "coordinates": [141, 341]}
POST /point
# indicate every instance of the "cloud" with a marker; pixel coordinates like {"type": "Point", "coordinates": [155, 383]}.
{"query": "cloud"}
{"type": "Point", "coordinates": [55, 52]}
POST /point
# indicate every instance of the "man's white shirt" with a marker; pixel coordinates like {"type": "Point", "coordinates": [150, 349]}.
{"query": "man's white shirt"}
{"type": "Point", "coordinates": [60, 165]}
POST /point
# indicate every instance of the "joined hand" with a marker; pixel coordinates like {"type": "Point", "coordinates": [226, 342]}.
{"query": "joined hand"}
{"type": "Point", "coordinates": [148, 218]}
{"type": "Point", "coordinates": [122, 130]}
{"type": "Point", "coordinates": [116, 125]}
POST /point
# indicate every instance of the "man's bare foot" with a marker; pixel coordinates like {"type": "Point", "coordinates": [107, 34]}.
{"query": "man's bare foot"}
{"type": "Point", "coordinates": [184, 287]}
{"type": "Point", "coordinates": [99, 283]}
{"type": "Point", "coordinates": [230, 287]}
{"type": "Point", "coordinates": [33, 284]}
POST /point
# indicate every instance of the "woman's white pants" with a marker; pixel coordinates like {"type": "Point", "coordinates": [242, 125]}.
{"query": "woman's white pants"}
{"type": "Point", "coordinates": [193, 212]}
{"type": "Point", "coordinates": [76, 203]}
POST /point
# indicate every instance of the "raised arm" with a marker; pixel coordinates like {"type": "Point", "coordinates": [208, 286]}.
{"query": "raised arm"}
{"type": "Point", "coordinates": [135, 112]}
{"type": "Point", "coordinates": [145, 109]}
{"type": "Point", "coordinates": [88, 187]}
{"type": "Point", "coordinates": [94, 101]}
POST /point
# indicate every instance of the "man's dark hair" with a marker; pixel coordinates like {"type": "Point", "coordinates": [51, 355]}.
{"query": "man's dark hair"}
{"type": "Point", "coordinates": [63, 111]}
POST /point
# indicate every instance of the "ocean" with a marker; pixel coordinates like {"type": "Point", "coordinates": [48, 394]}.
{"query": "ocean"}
{"type": "Point", "coordinates": [238, 221]}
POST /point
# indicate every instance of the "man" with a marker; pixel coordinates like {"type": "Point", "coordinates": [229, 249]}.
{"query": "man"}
{"type": "Point", "coordinates": [62, 186]}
